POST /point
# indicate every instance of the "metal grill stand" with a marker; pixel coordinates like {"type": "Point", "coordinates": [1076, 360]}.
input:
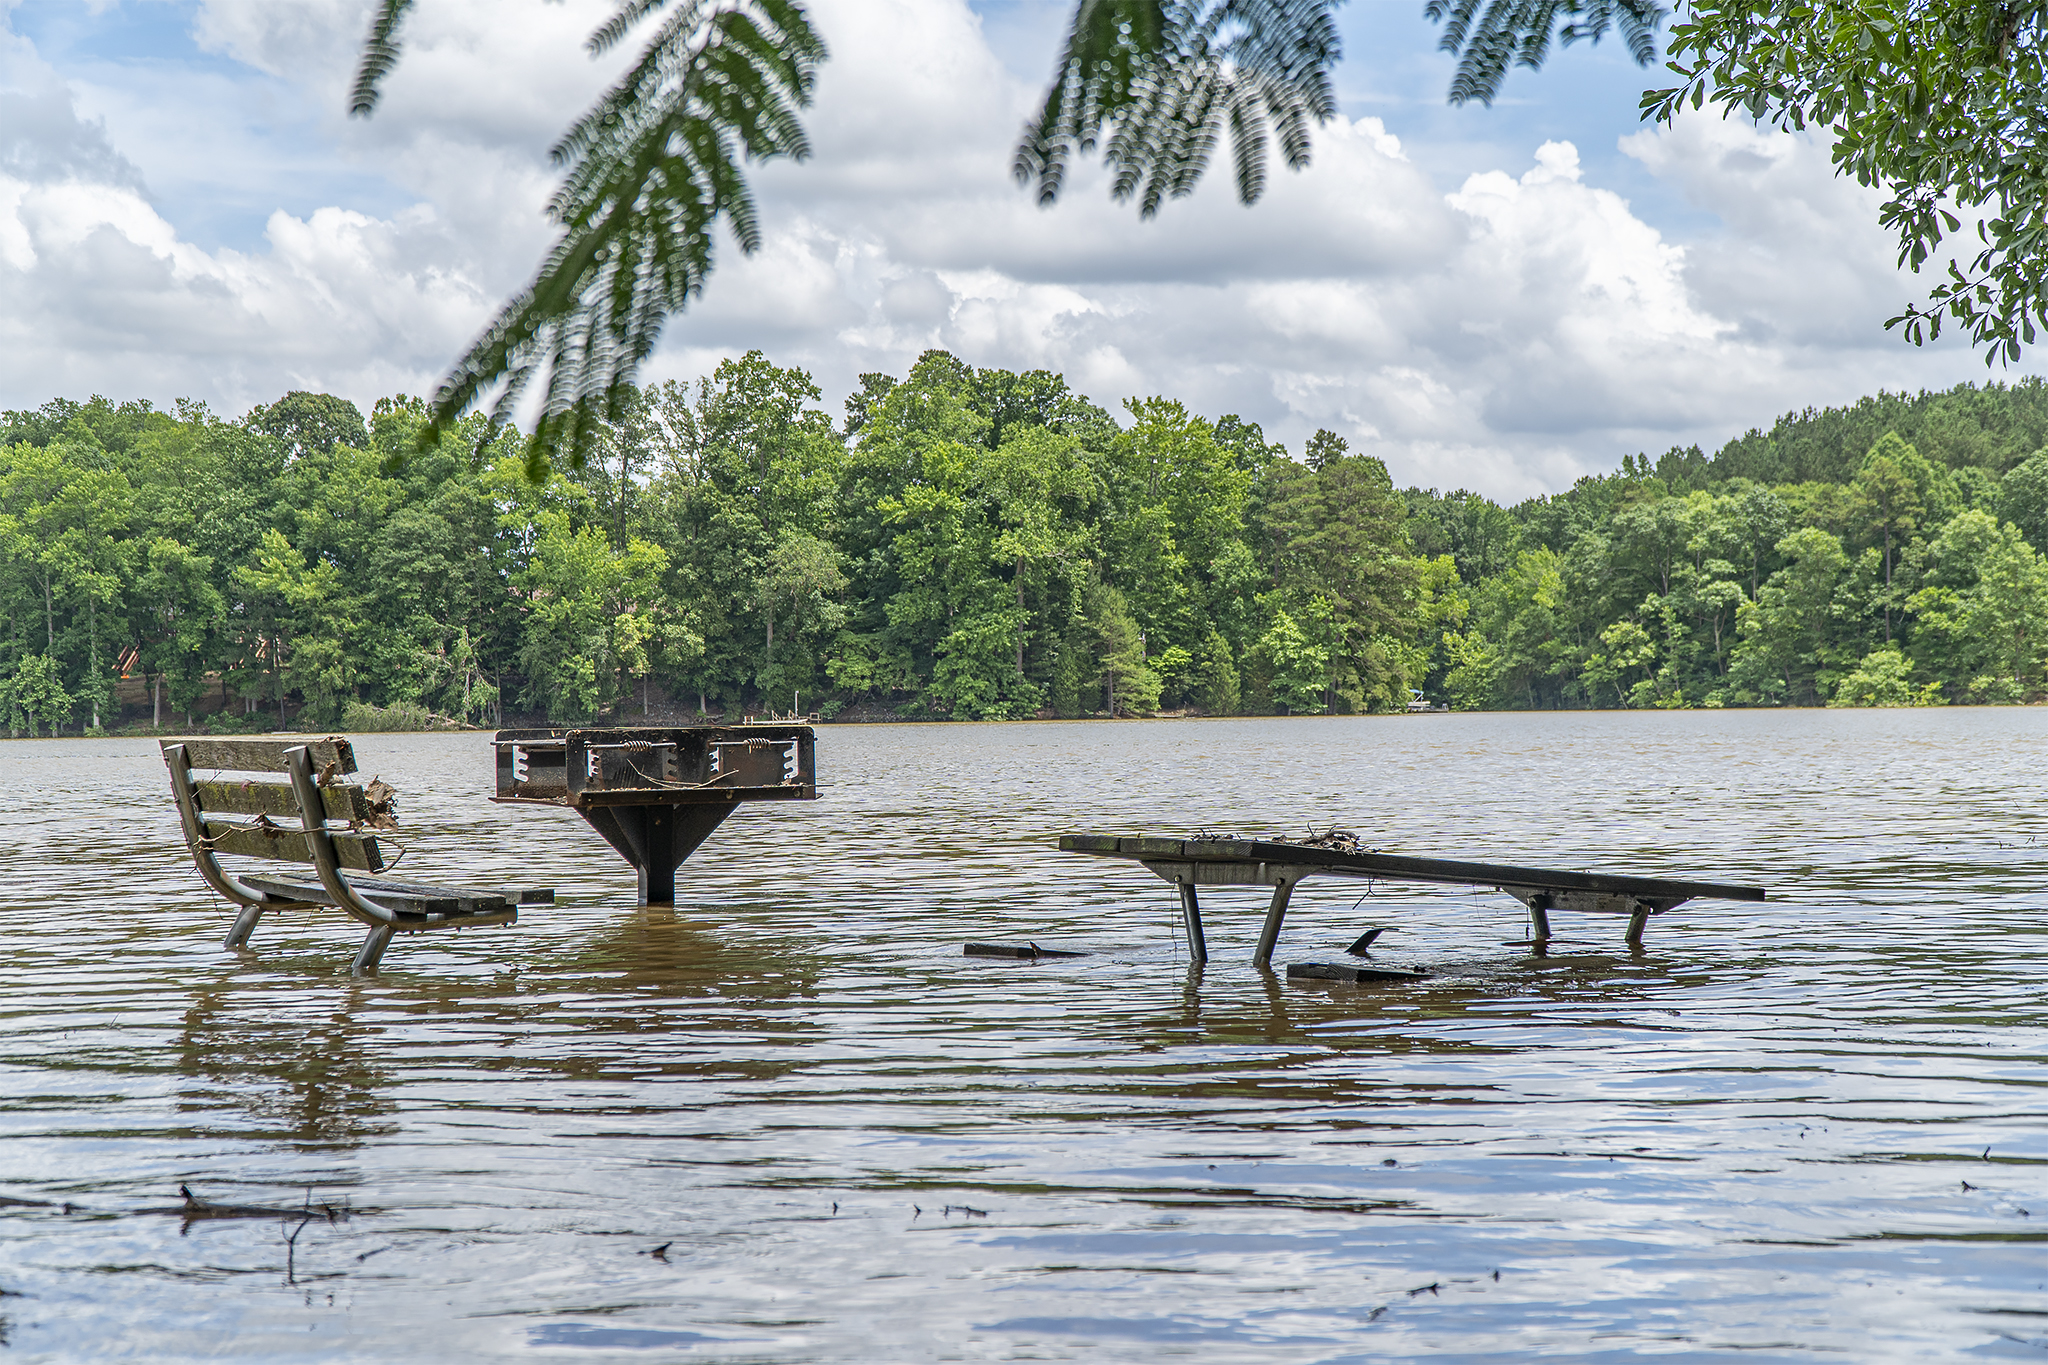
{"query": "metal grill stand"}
{"type": "Point", "coordinates": [655, 795]}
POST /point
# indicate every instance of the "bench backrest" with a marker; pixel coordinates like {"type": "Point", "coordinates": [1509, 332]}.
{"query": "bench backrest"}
{"type": "Point", "coordinates": [245, 814]}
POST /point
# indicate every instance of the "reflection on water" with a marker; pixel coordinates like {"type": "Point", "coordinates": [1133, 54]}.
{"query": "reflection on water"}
{"type": "Point", "coordinates": [789, 1121]}
{"type": "Point", "coordinates": [312, 1081]}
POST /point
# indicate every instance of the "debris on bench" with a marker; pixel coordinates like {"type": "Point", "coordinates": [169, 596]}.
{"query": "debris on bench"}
{"type": "Point", "coordinates": [1284, 864]}
{"type": "Point", "coordinates": [1029, 951]}
{"type": "Point", "coordinates": [1334, 971]}
{"type": "Point", "coordinates": [335, 830]}
{"type": "Point", "coordinates": [654, 795]}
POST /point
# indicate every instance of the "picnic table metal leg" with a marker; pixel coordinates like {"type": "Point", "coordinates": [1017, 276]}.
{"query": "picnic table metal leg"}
{"type": "Point", "coordinates": [1191, 915]}
{"type": "Point", "coordinates": [1539, 921]}
{"type": "Point", "coordinates": [245, 925]}
{"type": "Point", "coordinates": [1637, 921]}
{"type": "Point", "coordinates": [372, 951]}
{"type": "Point", "coordinates": [1269, 933]}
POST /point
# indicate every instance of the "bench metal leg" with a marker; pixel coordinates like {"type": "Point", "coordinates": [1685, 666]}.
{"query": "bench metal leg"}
{"type": "Point", "coordinates": [1539, 919]}
{"type": "Point", "coordinates": [372, 951]}
{"type": "Point", "coordinates": [1191, 915]}
{"type": "Point", "coordinates": [245, 925]}
{"type": "Point", "coordinates": [1269, 933]}
{"type": "Point", "coordinates": [1636, 923]}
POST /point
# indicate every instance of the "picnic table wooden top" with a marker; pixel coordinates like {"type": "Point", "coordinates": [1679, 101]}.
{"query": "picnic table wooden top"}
{"type": "Point", "coordinates": [1362, 863]}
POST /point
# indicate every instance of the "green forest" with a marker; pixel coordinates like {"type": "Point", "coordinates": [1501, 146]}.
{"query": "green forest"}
{"type": "Point", "coordinates": [976, 544]}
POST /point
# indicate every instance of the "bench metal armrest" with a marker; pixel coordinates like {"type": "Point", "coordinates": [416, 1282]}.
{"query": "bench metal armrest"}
{"type": "Point", "coordinates": [299, 763]}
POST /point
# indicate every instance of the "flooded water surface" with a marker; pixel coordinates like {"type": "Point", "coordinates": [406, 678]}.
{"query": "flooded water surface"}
{"type": "Point", "coordinates": [789, 1121]}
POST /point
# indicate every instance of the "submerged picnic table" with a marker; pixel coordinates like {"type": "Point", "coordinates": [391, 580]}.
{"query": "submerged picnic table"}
{"type": "Point", "coordinates": [1283, 865]}
{"type": "Point", "coordinates": [655, 794]}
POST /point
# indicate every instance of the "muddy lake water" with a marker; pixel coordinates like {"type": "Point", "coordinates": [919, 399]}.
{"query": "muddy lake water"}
{"type": "Point", "coordinates": [1815, 1129]}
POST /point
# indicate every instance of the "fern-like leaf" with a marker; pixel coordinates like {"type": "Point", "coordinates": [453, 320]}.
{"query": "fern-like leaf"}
{"type": "Point", "coordinates": [380, 54]}
{"type": "Point", "coordinates": [1489, 36]}
{"type": "Point", "coordinates": [649, 171]}
{"type": "Point", "coordinates": [1166, 79]}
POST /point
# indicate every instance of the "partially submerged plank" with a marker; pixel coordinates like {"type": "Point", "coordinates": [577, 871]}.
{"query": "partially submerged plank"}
{"type": "Point", "coordinates": [1332, 971]}
{"type": "Point", "coordinates": [265, 753]}
{"type": "Point", "coordinates": [345, 802]}
{"type": "Point", "coordinates": [358, 851]}
{"type": "Point", "coordinates": [1024, 951]}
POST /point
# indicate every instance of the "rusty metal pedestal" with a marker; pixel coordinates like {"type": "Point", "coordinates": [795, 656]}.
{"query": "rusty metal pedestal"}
{"type": "Point", "coordinates": [655, 840]}
{"type": "Point", "coordinates": [656, 794]}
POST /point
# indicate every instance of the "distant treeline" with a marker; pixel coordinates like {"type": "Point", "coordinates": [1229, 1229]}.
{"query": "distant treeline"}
{"type": "Point", "coordinates": [977, 544]}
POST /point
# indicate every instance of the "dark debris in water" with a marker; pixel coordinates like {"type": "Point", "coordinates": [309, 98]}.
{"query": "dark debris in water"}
{"type": "Point", "coordinates": [194, 1208]}
{"type": "Point", "coordinates": [1029, 952]}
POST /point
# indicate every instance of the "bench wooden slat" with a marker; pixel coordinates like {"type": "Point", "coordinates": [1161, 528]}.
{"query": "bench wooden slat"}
{"type": "Point", "coordinates": [344, 802]}
{"type": "Point", "coordinates": [518, 895]}
{"type": "Point", "coordinates": [410, 899]}
{"type": "Point", "coordinates": [356, 851]}
{"type": "Point", "coordinates": [265, 753]}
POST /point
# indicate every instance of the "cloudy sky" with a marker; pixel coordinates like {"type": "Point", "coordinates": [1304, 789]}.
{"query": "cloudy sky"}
{"type": "Point", "coordinates": [1500, 299]}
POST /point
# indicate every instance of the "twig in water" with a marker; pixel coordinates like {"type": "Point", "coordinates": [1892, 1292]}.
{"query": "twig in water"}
{"type": "Point", "coordinates": [291, 1243]}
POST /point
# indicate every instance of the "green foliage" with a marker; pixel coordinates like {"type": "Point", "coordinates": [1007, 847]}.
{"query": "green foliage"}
{"type": "Point", "coordinates": [312, 423]}
{"type": "Point", "coordinates": [36, 695]}
{"type": "Point", "coordinates": [1937, 104]}
{"type": "Point", "coordinates": [1212, 681]}
{"type": "Point", "coordinates": [361, 718]}
{"type": "Point", "coordinates": [2022, 497]}
{"type": "Point", "coordinates": [1883, 678]}
{"type": "Point", "coordinates": [1296, 665]}
{"type": "Point", "coordinates": [982, 545]}
{"type": "Point", "coordinates": [1129, 684]}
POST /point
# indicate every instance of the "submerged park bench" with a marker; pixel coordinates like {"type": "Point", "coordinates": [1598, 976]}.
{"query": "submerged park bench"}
{"type": "Point", "coordinates": [335, 830]}
{"type": "Point", "coordinates": [1283, 865]}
